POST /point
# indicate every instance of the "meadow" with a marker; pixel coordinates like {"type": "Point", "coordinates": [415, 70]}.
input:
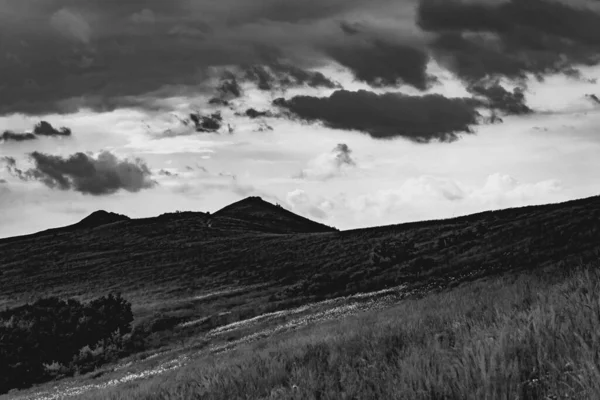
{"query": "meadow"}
{"type": "Point", "coordinates": [518, 336]}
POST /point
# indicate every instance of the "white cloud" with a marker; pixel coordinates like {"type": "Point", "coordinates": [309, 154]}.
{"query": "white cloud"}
{"type": "Point", "coordinates": [302, 204]}
{"type": "Point", "coordinates": [505, 191]}
{"type": "Point", "coordinates": [430, 197]}
{"type": "Point", "coordinates": [330, 164]}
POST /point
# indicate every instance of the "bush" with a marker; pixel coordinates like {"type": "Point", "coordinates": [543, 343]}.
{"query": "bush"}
{"type": "Point", "coordinates": [52, 338]}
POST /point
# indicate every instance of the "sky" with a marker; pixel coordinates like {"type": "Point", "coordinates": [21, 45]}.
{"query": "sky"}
{"type": "Point", "coordinates": [351, 113]}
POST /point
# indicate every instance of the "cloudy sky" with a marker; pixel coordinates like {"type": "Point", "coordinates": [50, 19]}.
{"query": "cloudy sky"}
{"type": "Point", "coordinates": [348, 112]}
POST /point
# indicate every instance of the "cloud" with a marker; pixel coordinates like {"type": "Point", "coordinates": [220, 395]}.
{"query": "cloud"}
{"type": "Point", "coordinates": [388, 115]}
{"type": "Point", "coordinates": [4, 188]}
{"type": "Point", "coordinates": [12, 168]}
{"type": "Point", "coordinates": [253, 114]}
{"type": "Point", "coordinates": [430, 187]}
{"type": "Point", "coordinates": [8, 136]}
{"type": "Point", "coordinates": [381, 61]}
{"type": "Point", "coordinates": [291, 75]}
{"type": "Point", "coordinates": [110, 51]}
{"type": "Point", "coordinates": [166, 172]}
{"type": "Point", "coordinates": [63, 55]}
{"type": "Point", "coordinates": [503, 190]}
{"type": "Point", "coordinates": [101, 175]}
{"type": "Point", "coordinates": [302, 204]}
{"type": "Point", "coordinates": [330, 164]}
{"type": "Point", "coordinates": [72, 25]}
{"type": "Point", "coordinates": [419, 196]}
{"type": "Point", "coordinates": [229, 88]}
{"type": "Point", "coordinates": [277, 76]}
{"type": "Point", "coordinates": [384, 64]}
{"type": "Point", "coordinates": [207, 123]}
{"type": "Point", "coordinates": [593, 98]}
{"type": "Point", "coordinates": [46, 129]}
{"type": "Point", "coordinates": [498, 98]}
{"type": "Point", "coordinates": [342, 155]}
{"type": "Point", "coordinates": [43, 128]}
{"type": "Point", "coordinates": [145, 16]}
{"type": "Point", "coordinates": [482, 38]}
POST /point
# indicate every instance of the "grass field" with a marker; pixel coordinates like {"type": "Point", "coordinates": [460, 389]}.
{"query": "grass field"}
{"type": "Point", "coordinates": [515, 337]}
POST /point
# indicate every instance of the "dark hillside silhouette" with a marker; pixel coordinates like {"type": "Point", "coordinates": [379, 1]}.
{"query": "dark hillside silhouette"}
{"type": "Point", "coordinates": [98, 218]}
{"type": "Point", "coordinates": [273, 218]}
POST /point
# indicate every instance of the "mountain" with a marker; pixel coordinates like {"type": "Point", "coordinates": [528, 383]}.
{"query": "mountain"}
{"type": "Point", "coordinates": [99, 218]}
{"type": "Point", "coordinates": [271, 218]}
{"type": "Point", "coordinates": [187, 273]}
{"type": "Point", "coordinates": [95, 219]}
{"type": "Point", "coordinates": [248, 215]}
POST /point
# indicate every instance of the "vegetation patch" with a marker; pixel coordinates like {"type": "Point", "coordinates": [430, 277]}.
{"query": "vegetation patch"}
{"type": "Point", "coordinates": [53, 338]}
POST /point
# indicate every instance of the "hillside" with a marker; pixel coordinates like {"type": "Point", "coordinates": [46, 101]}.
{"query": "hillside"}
{"type": "Point", "coordinates": [190, 253]}
{"type": "Point", "coordinates": [189, 274]}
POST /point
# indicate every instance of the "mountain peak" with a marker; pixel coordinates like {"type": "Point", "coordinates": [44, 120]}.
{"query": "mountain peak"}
{"type": "Point", "coordinates": [101, 217]}
{"type": "Point", "coordinates": [270, 217]}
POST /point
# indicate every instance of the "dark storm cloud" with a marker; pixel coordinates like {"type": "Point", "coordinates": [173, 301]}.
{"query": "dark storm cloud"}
{"type": "Point", "coordinates": [384, 64]}
{"type": "Point", "coordinates": [389, 115]}
{"type": "Point", "coordinates": [276, 75]}
{"type": "Point", "coordinates": [291, 75]}
{"type": "Point", "coordinates": [62, 55]}
{"type": "Point", "coordinates": [497, 97]}
{"type": "Point", "coordinates": [8, 136]}
{"type": "Point", "coordinates": [43, 128]}
{"type": "Point", "coordinates": [229, 88]}
{"type": "Point", "coordinates": [380, 61]}
{"type": "Point", "coordinates": [350, 28]}
{"type": "Point", "coordinates": [207, 123]}
{"type": "Point", "coordinates": [483, 38]}
{"type": "Point", "coordinates": [80, 172]}
{"type": "Point", "coordinates": [252, 113]}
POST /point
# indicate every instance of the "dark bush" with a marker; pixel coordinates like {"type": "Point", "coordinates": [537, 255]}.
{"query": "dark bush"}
{"type": "Point", "coordinates": [52, 338]}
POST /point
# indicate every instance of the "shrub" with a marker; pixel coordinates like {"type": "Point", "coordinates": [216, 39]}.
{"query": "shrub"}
{"type": "Point", "coordinates": [52, 338]}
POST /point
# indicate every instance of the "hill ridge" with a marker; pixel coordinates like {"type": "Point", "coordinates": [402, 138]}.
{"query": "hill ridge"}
{"type": "Point", "coordinates": [254, 209]}
{"type": "Point", "coordinates": [98, 218]}
{"type": "Point", "coordinates": [239, 211]}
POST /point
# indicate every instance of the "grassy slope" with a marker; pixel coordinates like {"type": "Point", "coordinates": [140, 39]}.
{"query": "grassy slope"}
{"type": "Point", "coordinates": [519, 336]}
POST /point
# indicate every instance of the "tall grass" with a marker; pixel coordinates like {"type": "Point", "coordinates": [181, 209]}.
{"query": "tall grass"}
{"type": "Point", "coordinates": [516, 337]}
